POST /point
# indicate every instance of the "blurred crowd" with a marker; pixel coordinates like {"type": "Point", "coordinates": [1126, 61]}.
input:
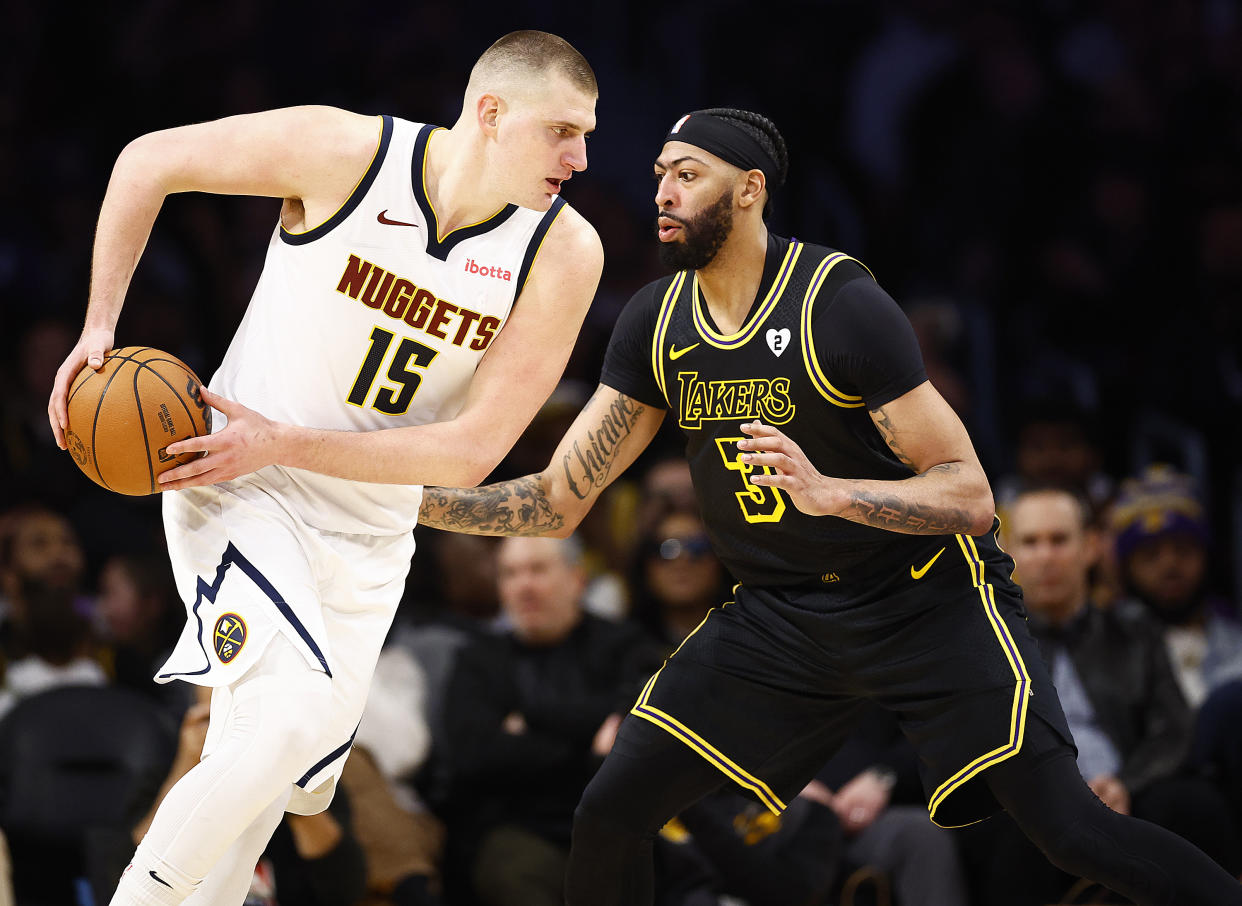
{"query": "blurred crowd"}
{"type": "Point", "coordinates": [1050, 189]}
{"type": "Point", "coordinates": [512, 663]}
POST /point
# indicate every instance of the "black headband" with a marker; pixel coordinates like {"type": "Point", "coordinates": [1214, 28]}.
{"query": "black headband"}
{"type": "Point", "coordinates": [720, 137]}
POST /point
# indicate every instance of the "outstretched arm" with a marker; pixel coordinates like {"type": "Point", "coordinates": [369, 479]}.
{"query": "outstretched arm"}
{"type": "Point", "coordinates": [238, 155]}
{"type": "Point", "coordinates": [948, 493]}
{"type": "Point", "coordinates": [605, 438]}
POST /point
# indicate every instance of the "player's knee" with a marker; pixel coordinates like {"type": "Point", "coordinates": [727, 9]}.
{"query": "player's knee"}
{"type": "Point", "coordinates": [610, 801]}
{"type": "Point", "coordinates": [1075, 849]}
{"type": "Point", "coordinates": [596, 834]}
{"type": "Point", "coordinates": [295, 731]}
{"type": "Point", "coordinates": [285, 717]}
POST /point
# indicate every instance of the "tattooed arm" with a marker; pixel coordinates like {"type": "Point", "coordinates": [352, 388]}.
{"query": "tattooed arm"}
{"type": "Point", "coordinates": [605, 438]}
{"type": "Point", "coordinates": [948, 493]}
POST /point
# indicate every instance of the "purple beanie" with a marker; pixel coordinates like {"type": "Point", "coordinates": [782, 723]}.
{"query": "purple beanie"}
{"type": "Point", "coordinates": [1157, 503]}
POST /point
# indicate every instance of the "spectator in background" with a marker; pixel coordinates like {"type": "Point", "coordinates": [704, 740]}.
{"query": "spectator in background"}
{"type": "Point", "coordinates": [666, 488]}
{"type": "Point", "coordinates": [38, 545]}
{"type": "Point", "coordinates": [45, 637]}
{"type": "Point", "coordinates": [676, 578]}
{"type": "Point", "coordinates": [58, 646]}
{"type": "Point", "coordinates": [1163, 546]}
{"type": "Point", "coordinates": [27, 457]}
{"type": "Point", "coordinates": [403, 841]}
{"type": "Point", "coordinates": [1055, 446]}
{"type": "Point", "coordinates": [445, 607]}
{"type": "Point", "coordinates": [139, 615]}
{"type": "Point", "coordinates": [1162, 542]}
{"type": "Point", "coordinates": [463, 590]}
{"type": "Point", "coordinates": [1128, 716]}
{"type": "Point", "coordinates": [603, 544]}
{"type": "Point", "coordinates": [528, 715]}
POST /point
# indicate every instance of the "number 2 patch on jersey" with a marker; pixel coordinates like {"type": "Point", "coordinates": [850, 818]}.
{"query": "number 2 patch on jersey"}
{"type": "Point", "coordinates": [229, 637]}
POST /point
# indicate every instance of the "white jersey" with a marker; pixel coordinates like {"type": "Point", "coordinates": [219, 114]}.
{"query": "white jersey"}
{"type": "Point", "coordinates": [370, 321]}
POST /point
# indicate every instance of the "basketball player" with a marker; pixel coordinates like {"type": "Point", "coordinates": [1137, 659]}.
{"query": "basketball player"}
{"type": "Point", "coordinates": [419, 300]}
{"type": "Point", "coordinates": [845, 495]}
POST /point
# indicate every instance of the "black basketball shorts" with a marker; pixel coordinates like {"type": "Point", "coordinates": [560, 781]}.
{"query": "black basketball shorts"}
{"type": "Point", "coordinates": [769, 685]}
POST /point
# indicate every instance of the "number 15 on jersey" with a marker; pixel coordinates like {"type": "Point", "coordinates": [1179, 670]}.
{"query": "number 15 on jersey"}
{"type": "Point", "coordinates": [409, 355]}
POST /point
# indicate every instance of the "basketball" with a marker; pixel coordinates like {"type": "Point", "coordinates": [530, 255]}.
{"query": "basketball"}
{"type": "Point", "coordinates": [122, 418]}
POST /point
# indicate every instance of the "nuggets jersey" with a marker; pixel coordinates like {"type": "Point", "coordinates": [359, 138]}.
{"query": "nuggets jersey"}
{"type": "Point", "coordinates": [822, 345]}
{"type": "Point", "coordinates": [371, 320]}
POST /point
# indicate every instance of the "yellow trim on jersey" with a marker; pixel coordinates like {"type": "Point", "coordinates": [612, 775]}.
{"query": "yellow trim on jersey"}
{"type": "Point", "coordinates": [378, 142]}
{"type": "Point", "coordinates": [766, 307]}
{"type": "Point", "coordinates": [809, 358]}
{"type": "Point", "coordinates": [539, 247]}
{"type": "Point", "coordinates": [996, 534]}
{"type": "Point", "coordinates": [1022, 685]}
{"type": "Point", "coordinates": [663, 317]}
{"type": "Point", "coordinates": [697, 743]}
{"type": "Point", "coordinates": [435, 218]}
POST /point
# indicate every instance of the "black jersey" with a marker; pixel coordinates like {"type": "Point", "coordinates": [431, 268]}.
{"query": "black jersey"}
{"type": "Point", "coordinates": [822, 345]}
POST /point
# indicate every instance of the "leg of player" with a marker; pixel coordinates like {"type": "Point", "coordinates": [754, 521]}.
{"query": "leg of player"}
{"type": "Point", "coordinates": [271, 735]}
{"type": "Point", "coordinates": [1049, 800]}
{"type": "Point", "coordinates": [648, 778]}
{"type": "Point", "coordinates": [229, 880]}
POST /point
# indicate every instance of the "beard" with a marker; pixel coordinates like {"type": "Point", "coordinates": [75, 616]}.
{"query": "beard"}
{"type": "Point", "coordinates": [1170, 612]}
{"type": "Point", "coordinates": [703, 235]}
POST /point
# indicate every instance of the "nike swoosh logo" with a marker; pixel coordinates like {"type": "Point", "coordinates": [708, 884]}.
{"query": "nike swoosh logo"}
{"type": "Point", "coordinates": [674, 353]}
{"type": "Point", "coordinates": [387, 222]}
{"type": "Point", "coordinates": [917, 574]}
{"type": "Point", "coordinates": [161, 880]}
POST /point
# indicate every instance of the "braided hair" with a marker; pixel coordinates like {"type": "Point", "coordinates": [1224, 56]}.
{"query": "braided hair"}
{"type": "Point", "coordinates": [764, 131]}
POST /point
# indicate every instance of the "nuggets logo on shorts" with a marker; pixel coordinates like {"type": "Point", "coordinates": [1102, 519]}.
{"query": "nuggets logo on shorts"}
{"type": "Point", "coordinates": [229, 637]}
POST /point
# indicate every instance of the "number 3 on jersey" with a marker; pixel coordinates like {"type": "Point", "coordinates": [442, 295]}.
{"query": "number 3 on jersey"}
{"type": "Point", "coordinates": [391, 400]}
{"type": "Point", "coordinates": [759, 504]}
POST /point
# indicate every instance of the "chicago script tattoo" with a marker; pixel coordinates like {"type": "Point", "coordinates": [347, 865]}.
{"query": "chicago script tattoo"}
{"type": "Point", "coordinates": [588, 463]}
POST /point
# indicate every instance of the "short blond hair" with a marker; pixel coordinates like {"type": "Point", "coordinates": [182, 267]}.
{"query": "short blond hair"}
{"type": "Point", "coordinates": [521, 55]}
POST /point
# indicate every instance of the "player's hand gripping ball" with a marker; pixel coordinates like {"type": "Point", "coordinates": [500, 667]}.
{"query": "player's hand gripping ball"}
{"type": "Point", "coordinates": [122, 418]}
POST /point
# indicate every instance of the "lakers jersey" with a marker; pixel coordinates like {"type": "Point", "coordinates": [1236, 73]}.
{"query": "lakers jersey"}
{"type": "Point", "coordinates": [822, 345]}
{"type": "Point", "coordinates": [372, 321]}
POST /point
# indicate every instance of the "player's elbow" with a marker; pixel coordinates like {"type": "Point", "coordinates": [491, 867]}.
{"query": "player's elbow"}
{"type": "Point", "coordinates": [982, 524]}
{"type": "Point", "coordinates": [982, 511]}
{"type": "Point", "coordinates": [477, 462]}
{"type": "Point", "coordinates": [472, 471]}
{"type": "Point", "coordinates": [146, 166]}
{"type": "Point", "coordinates": [137, 161]}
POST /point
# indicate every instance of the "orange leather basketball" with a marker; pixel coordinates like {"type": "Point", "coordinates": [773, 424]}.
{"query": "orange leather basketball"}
{"type": "Point", "coordinates": [123, 417]}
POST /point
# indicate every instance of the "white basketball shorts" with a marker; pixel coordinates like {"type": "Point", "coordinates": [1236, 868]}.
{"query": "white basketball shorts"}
{"type": "Point", "coordinates": [248, 568]}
